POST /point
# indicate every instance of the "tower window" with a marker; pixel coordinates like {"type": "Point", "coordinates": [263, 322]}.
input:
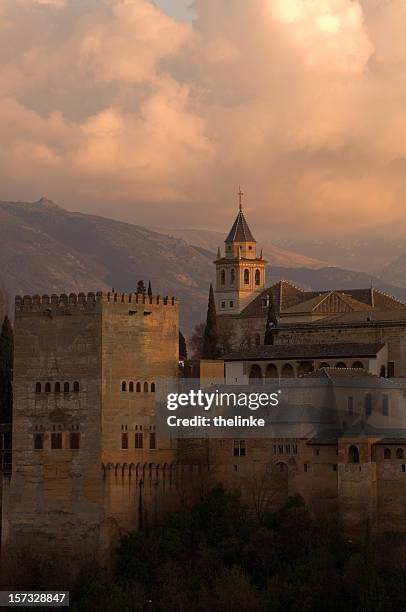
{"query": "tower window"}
{"type": "Point", "coordinates": [38, 441]}
{"type": "Point", "coordinates": [57, 387]}
{"type": "Point", "coordinates": [124, 441]}
{"type": "Point", "coordinates": [38, 387]}
{"type": "Point", "coordinates": [223, 304]}
{"type": "Point", "coordinates": [257, 277]}
{"type": "Point", "coordinates": [47, 387]}
{"type": "Point", "coordinates": [131, 387]}
{"type": "Point", "coordinates": [231, 304]}
{"type": "Point", "coordinates": [145, 387]}
{"type": "Point", "coordinates": [76, 387]}
{"type": "Point", "coordinates": [123, 386]}
{"type": "Point", "coordinates": [138, 440]}
{"type": "Point", "coordinates": [152, 440]}
{"type": "Point", "coordinates": [74, 440]}
{"type": "Point", "coordinates": [232, 276]}
{"type": "Point", "coordinates": [56, 441]}
{"type": "Point", "coordinates": [66, 387]}
{"type": "Point", "coordinates": [246, 276]}
{"type": "Point", "coordinates": [223, 277]}
{"type": "Point", "coordinates": [239, 448]}
{"type": "Point", "coordinates": [138, 387]}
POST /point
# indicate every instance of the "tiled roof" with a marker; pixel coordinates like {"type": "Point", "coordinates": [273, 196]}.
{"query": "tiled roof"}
{"type": "Point", "coordinates": [240, 232]}
{"type": "Point", "coordinates": [369, 316]}
{"type": "Point", "coordinates": [288, 298]}
{"type": "Point", "coordinates": [305, 351]}
{"type": "Point", "coordinates": [328, 302]}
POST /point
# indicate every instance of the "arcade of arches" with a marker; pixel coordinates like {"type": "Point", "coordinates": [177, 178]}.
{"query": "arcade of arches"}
{"type": "Point", "coordinates": [295, 369]}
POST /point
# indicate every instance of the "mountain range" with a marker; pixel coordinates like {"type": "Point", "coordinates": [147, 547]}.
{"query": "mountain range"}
{"type": "Point", "coordinates": [47, 249]}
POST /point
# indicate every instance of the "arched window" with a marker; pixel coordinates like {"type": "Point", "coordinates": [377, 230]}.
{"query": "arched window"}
{"type": "Point", "coordinates": [138, 387]}
{"type": "Point", "coordinates": [131, 387]}
{"type": "Point", "coordinates": [387, 454]}
{"type": "Point", "coordinates": [57, 387]}
{"type": "Point", "coordinates": [76, 387]}
{"type": "Point", "coordinates": [324, 365]}
{"type": "Point", "coordinates": [223, 277]}
{"type": "Point", "coordinates": [47, 387]}
{"type": "Point", "coordinates": [271, 371]}
{"type": "Point", "coordinates": [399, 453]}
{"type": "Point", "coordinates": [232, 276]}
{"type": "Point", "coordinates": [38, 387]}
{"type": "Point", "coordinates": [340, 364]}
{"type": "Point", "coordinates": [353, 454]}
{"type": "Point", "coordinates": [358, 365]}
{"type": "Point", "coordinates": [287, 371]}
{"type": "Point", "coordinates": [257, 339]}
{"type": "Point", "coordinates": [255, 373]}
{"type": "Point", "coordinates": [66, 387]}
{"type": "Point", "coordinates": [152, 387]}
{"type": "Point", "coordinates": [305, 367]}
{"type": "Point", "coordinates": [246, 276]}
{"type": "Point", "coordinates": [257, 277]}
{"type": "Point", "coordinates": [123, 386]}
{"type": "Point", "coordinates": [145, 387]}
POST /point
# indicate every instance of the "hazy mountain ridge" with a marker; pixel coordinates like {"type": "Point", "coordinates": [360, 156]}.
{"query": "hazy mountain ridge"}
{"type": "Point", "coordinates": [395, 272]}
{"type": "Point", "coordinates": [366, 254]}
{"type": "Point", "coordinates": [46, 249]}
{"type": "Point", "coordinates": [210, 241]}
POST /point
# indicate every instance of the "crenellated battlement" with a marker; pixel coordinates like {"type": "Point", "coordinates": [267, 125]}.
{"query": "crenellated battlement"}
{"type": "Point", "coordinates": [139, 298]}
{"type": "Point", "coordinates": [86, 301]}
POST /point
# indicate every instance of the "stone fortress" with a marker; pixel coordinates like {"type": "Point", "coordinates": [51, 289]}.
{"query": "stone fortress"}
{"type": "Point", "coordinates": [87, 463]}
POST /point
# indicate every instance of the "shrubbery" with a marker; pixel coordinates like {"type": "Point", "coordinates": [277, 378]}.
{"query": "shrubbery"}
{"type": "Point", "coordinates": [214, 557]}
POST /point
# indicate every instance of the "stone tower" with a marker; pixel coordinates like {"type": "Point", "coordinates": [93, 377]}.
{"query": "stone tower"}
{"type": "Point", "coordinates": [240, 274]}
{"type": "Point", "coordinates": [86, 371]}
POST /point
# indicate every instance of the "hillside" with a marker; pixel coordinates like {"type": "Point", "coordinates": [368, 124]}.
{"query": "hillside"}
{"type": "Point", "coordinates": [395, 272]}
{"type": "Point", "coordinates": [46, 249]}
{"type": "Point", "coordinates": [211, 240]}
{"type": "Point", "coordinates": [366, 254]}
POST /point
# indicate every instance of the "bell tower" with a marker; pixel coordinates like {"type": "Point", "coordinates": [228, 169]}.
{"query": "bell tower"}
{"type": "Point", "coordinates": [240, 273]}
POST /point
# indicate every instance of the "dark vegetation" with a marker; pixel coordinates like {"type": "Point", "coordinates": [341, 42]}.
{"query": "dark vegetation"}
{"type": "Point", "coordinates": [214, 556]}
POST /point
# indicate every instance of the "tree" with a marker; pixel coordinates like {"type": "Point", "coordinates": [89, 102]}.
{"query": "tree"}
{"type": "Point", "coordinates": [271, 321]}
{"type": "Point", "coordinates": [182, 346]}
{"type": "Point", "coordinates": [196, 340]}
{"type": "Point", "coordinates": [140, 286]}
{"type": "Point", "coordinates": [210, 339]}
{"type": "Point", "coordinates": [149, 289]}
{"type": "Point", "coordinates": [6, 371]}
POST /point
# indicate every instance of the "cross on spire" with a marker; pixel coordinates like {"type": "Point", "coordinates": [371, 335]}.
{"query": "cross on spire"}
{"type": "Point", "coordinates": [240, 194]}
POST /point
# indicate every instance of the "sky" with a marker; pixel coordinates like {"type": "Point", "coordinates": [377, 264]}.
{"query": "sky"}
{"type": "Point", "coordinates": [155, 113]}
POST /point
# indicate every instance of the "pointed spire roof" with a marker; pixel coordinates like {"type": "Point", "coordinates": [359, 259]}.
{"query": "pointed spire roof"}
{"type": "Point", "coordinates": [240, 232]}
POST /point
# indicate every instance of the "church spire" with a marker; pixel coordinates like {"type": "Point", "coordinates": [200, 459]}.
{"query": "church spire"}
{"type": "Point", "coordinates": [240, 232]}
